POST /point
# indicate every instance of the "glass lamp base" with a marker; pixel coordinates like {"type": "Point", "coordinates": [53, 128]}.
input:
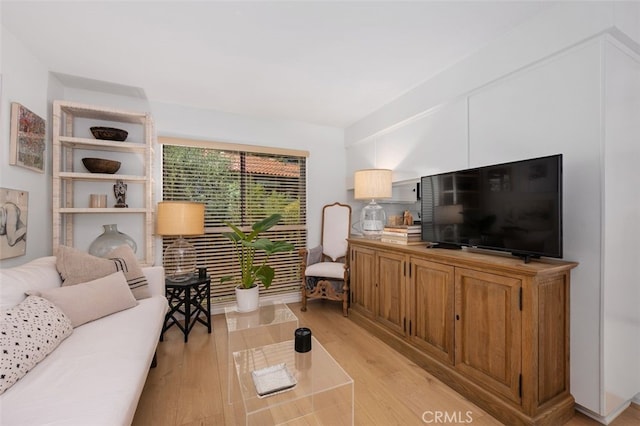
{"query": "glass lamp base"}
{"type": "Point", "coordinates": [373, 219]}
{"type": "Point", "coordinates": [180, 260]}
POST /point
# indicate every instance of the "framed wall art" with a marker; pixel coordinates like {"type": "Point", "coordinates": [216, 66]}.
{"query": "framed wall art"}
{"type": "Point", "coordinates": [13, 222]}
{"type": "Point", "coordinates": [27, 139]}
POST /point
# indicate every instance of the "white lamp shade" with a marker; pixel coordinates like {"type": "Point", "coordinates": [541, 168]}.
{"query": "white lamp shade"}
{"type": "Point", "coordinates": [180, 218]}
{"type": "Point", "coordinates": [372, 184]}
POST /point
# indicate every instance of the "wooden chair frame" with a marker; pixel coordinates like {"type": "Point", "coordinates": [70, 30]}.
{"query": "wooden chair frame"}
{"type": "Point", "coordinates": [324, 288]}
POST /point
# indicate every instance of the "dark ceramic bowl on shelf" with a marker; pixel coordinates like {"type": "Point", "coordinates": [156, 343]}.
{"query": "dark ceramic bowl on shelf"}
{"type": "Point", "coordinates": [101, 165]}
{"type": "Point", "coordinates": [109, 133]}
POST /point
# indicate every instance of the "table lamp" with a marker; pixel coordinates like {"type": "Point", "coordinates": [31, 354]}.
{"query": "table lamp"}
{"type": "Point", "coordinates": [372, 184]}
{"type": "Point", "coordinates": [180, 218]}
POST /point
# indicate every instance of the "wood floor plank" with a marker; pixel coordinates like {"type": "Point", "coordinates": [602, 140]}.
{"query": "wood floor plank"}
{"type": "Point", "coordinates": [189, 385]}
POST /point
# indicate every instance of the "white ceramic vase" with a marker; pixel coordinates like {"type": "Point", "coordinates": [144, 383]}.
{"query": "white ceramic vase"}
{"type": "Point", "coordinates": [247, 298]}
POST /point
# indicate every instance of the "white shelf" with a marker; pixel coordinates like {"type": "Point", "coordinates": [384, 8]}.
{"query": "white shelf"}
{"type": "Point", "coordinates": [78, 110]}
{"type": "Point", "coordinates": [90, 210]}
{"type": "Point", "coordinates": [101, 145]}
{"type": "Point", "coordinates": [100, 177]}
{"type": "Point", "coordinates": [66, 143]}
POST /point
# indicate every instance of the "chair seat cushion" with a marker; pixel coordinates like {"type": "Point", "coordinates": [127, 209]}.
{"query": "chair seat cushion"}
{"type": "Point", "coordinates": [326, 269]}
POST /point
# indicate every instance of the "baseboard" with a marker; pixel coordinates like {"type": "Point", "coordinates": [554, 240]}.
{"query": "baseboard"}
{"type": "Point", "coordinates": [605, 420]}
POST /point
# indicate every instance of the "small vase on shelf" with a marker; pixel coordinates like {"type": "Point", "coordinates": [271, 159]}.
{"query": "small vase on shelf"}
{"type": "Point", "coordinates": [110, 239]}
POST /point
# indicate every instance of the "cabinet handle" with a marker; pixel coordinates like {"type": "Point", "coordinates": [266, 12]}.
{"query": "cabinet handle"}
{"type": "Point", "coordinates": [457, 317]}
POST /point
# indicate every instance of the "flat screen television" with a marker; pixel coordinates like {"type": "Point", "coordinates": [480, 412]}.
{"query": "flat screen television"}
{"type": "Point", "coordinates": [514, 207]}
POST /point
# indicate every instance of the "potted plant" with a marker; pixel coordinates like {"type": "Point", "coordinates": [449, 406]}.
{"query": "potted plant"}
{"type": "Point", "coordinates": [246, 245]}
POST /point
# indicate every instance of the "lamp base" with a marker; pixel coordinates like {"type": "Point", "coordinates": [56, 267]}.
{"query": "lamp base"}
{"type": "Point", "coordinates": [180, 260]}
{"type": "Point", "coordinates": [373, 219]}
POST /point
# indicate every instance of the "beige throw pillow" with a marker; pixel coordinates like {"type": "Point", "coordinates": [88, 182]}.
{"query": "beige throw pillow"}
{"type": "Point", "coordinates": [76, 266]}
{"type": "Point", "coordinates": [89, 301]}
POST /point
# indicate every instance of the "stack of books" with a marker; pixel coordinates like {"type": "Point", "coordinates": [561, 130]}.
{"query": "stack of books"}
{"type": "Point", "coordinates": [402, 234]}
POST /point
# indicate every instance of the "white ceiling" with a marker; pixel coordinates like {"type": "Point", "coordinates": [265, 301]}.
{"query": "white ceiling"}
{"type": "Point", "coordinates": [329, 63]}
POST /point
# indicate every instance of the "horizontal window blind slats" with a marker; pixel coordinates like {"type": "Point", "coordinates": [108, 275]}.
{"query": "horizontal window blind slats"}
{"type": "Point", "coordinates": [239, 188]}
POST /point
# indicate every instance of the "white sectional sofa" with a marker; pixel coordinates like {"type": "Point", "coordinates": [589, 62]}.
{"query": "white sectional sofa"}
{"type": "Point", "coordinates": [96, 375]}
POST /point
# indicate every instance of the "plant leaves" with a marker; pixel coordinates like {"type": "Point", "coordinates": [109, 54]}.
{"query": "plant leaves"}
{"type": "Point", "coordinates": [279, 246]}
{"type": "Point", "coordinates": [260, 244]}
{"type": "Point", "coordinates": [268, 246]}
{"type": "Point", "coordinates": [266, 223]}
{"type": "Point", "coordinates": [239, 235]}
{"type": "Point", "coordinates": [250, 243]}
{"type": "Point", "coordinates": [265, 274]}
{"type": "Point", "coordinates": [232, 236]}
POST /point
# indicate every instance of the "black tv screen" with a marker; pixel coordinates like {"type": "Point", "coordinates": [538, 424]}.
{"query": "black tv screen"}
{"type": "Point", "coordinates": [514, 207]}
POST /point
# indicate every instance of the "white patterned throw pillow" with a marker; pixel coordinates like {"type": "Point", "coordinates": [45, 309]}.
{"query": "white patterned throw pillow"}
{"type": "Point", "coordinates": [29, 332]}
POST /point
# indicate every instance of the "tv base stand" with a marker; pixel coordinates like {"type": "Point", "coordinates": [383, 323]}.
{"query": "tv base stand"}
{"type": "Point", "coordinates": [447, 246]}
{"type": "Point", "coordinates": [491, 327]}
{"type": "Point", "coordinates": [526, 257]}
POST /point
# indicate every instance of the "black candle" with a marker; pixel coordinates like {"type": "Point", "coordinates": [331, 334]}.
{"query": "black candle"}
{"type": "Point", "coordinates": [303, 340]}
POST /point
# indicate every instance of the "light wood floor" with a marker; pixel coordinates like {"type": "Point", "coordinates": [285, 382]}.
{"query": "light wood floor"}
{"type": "Point", "coordinates": [189, 385]}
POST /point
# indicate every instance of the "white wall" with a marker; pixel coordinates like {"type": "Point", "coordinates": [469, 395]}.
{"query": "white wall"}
{"type": "Point", "coordinates": [550, 32]}
{"type": "Point", "coordinates": [25, 80]}
{"type": "Point", "coordinates": [540, 91]}
{"type": "Point", "coordinates": [554, 108]}
{"type": "Point", "coordinates": [326, 164]}
{"type": "Point", "coordinates": [621, 202]}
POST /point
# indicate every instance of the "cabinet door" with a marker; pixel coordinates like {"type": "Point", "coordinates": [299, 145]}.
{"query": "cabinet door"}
{"type": "Point", "coordinates": [390, 271]}
{"type": "Point", "coordinates": [431, 305]}
{"type": "Point", "coordinates": [362, 280]}
{"type": "Point", "coordinates": [488, 330]}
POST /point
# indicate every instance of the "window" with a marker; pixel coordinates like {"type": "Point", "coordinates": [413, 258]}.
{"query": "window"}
{"type": "Point", "coordinates": [239, 184]}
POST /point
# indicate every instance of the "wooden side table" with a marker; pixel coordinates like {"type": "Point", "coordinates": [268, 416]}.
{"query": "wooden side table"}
{"type": "Point", "coordinates": [187, 298]}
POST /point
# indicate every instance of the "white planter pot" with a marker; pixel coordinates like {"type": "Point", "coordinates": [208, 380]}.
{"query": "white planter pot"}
{"type": "Point", "coordinates": [247, 299]}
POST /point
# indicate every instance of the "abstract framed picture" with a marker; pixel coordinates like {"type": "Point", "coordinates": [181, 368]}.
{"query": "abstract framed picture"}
{"type": "Point", "coordinates": [13, 222]}
{"type": "Point", "coordinates": [27, 139]}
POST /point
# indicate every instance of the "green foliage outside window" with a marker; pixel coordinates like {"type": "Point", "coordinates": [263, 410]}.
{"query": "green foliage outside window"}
{"type": "Point", "coordinates": [214, 178]}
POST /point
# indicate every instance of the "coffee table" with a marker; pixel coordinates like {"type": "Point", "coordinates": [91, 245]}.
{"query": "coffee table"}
{"type": "Point", "coordinates": [322, 395]}
{"type": "Point", "coordinates": [272, 322]}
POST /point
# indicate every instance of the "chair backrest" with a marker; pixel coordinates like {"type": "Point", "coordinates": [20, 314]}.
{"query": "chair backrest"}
{"type": "Point", "coordinates": [336, 223]}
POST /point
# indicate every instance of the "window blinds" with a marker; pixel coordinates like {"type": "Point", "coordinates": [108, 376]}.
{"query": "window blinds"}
{"type": "Point", "coordinates": [240, 187]}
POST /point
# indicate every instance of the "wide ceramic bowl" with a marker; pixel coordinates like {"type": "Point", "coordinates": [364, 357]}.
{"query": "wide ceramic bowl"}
{"type": "Point", "coordinates": [101, 165]}
{"type": "Point", "coordinates": [109, 133]}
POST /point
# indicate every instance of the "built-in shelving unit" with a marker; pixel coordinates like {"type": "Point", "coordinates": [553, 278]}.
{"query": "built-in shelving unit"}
{"type": "Point", "coordinates": [72, 183]}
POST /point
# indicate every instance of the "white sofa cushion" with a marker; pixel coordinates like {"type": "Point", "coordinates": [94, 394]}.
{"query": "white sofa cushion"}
{"type": "Point", "coordinates": [95, 377]}
{"type": "Point", "coordinates": [39, 274]}
{"type": "Point", "coordinates": [29, 332]}
{"type": "Point", "coordinates": [326, 270]}
{"type": "Point", "coordinates": [76, 267]}
{"type": "Point", "coordinates": [95, 299]}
